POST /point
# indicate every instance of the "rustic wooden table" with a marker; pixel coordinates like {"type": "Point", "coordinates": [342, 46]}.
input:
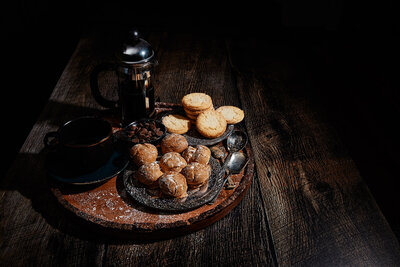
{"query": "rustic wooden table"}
{"type": "Point", "coordinates": [307, 204]}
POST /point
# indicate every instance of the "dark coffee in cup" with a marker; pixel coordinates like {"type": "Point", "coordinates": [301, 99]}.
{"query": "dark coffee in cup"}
{"type": "Point", "coordinates": [85, 143]}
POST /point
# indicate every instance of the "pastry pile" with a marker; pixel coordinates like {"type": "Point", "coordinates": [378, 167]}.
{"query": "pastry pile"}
{"type": "Point", "coordinates": [180, 166]}
{"type": "Point", "coordinates": [199, 110]}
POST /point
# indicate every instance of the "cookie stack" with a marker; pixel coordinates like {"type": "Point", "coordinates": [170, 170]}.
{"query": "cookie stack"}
{"type": "Point", "coordinates": [200, 112]}
{"type": "Point", "coordinates": [196, 103]}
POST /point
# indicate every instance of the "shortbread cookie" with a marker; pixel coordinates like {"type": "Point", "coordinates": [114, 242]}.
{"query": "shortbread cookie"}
{"type": "Point", "coordinates": [197, 112]}
{"type": "Point", "coordinates": [176, 123]}
{"type": "Point", "coordinates": [191, 117]}
{"type": "Point", "coordinates": [211, 124]}
{"type": "Point", "coordinates": [231, 114]}
{"type": "Point", "coordinates": [196, 101]}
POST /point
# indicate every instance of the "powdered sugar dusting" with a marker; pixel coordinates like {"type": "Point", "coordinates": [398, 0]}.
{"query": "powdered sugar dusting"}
{"type": "Point", "coordinates": [106, 203]}
{"type": "Point", "coordinates": [169, 180]}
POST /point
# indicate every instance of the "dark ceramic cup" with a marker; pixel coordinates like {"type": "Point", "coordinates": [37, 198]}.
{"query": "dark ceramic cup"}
{"type": "Point", "coordinates": [84, 143]}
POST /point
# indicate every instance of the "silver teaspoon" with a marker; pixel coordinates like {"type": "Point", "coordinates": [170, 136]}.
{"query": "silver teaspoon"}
{"type": "Point", "coordinates": [234, 163]}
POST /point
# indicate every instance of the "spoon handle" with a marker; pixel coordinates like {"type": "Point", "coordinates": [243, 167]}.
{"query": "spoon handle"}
{"type": "Point", "coordinates": [220, 188]}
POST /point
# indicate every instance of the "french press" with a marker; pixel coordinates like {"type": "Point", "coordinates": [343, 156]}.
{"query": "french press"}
{"type": "Point", "coordinates": [134, 67]}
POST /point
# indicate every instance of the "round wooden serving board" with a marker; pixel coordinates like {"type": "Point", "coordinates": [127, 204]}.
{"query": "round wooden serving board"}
{"type": "Point", "coordinates": [108, 208]}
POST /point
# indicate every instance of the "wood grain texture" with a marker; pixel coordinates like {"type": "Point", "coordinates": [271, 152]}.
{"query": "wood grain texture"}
{"type": "Point", "coordinates": [35, 230]}
{"type": "Point", "coordinates": [110, 210]}
{"type": "Point", "coordinates": [188, 64]}
{"type": "Point", "coordinates": [319, 210]}
{"type": "Point", "coordinates": [307, 205]}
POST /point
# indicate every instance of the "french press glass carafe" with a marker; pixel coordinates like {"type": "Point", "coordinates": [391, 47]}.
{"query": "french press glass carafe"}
{"type": "Point", "coordinates": [135, 71]}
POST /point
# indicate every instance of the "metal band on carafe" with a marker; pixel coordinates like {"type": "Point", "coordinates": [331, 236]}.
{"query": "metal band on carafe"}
{"type": "Point", "coordinates": [140, 76]}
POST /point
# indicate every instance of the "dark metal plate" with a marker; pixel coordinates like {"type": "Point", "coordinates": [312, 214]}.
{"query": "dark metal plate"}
{"type": "Point", "coordinates": [196, 198]}
{"type": "Point", "coordinates": [194, 138]}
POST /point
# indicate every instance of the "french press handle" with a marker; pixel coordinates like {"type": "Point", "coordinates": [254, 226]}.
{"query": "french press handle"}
{"type": "Point", "coordinates": [94, 85]}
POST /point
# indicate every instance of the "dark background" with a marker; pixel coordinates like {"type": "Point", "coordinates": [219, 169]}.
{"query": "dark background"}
{"type": "Point", "coordinates": [350, 46]}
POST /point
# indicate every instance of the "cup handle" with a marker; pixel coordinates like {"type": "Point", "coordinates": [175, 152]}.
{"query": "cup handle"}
{"type": "Point", "coordinates": [94, 85]}
{"type": "Point", "coordinates": [47, 139]}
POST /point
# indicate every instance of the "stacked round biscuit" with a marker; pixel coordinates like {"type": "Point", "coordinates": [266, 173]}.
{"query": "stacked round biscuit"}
{"type": "Point", "coordinates": [200, 112]}
{"type": "Point", "coordinates": [196, 103]}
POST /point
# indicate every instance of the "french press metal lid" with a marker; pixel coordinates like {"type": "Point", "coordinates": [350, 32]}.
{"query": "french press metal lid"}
{"type": "Point", "coordinates": [135, 50]}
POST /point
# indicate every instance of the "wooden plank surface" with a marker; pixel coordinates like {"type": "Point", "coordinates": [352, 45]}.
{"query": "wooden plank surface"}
{"type": "Point", "coordinates": [34, 230]}
{"type": "Point", "coordinates": [193, 64]}
{"type": "Point", "coordinates": [319, 210]}
{"type": "Point", "coordinates": [308, 204]}
{"type": "Point", "coordinates": [186, 65]}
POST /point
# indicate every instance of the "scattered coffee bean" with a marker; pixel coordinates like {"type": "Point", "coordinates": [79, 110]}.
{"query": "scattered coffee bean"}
{"type": "Point", "coordinates": [144, 132]}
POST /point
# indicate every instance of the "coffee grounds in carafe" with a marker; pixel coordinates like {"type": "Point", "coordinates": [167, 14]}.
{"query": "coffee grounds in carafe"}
{"type": "Point", "coordinates": [135, 103]}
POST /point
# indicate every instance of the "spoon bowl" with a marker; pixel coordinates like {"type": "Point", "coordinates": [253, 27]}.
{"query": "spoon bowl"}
{"type": "Point", "coordinates": [234, 164]}
{"type": "Point", "coordinates": [236, 141]}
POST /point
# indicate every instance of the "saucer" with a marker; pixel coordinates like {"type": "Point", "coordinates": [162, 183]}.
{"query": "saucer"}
{"type": "Point", "coordinates": [58, 169]}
